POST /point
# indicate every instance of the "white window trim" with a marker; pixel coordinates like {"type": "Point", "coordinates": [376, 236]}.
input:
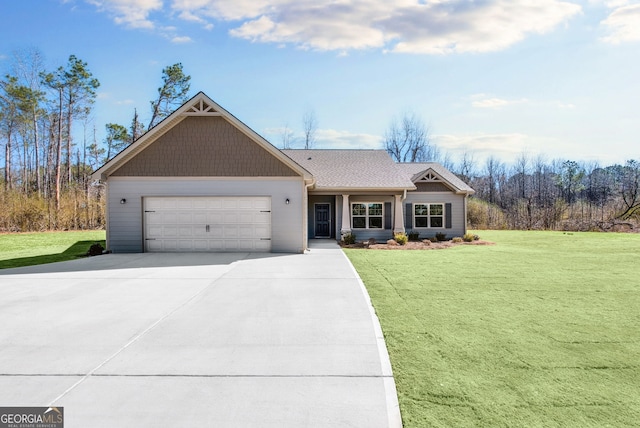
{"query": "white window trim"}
{"type": "Point", "coordinates": [367, 216]}
{"type": "Point", "coordinates": [428, 216]}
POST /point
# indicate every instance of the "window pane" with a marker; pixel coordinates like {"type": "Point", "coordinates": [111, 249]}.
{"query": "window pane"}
{"type": "Point", "coordinates": [436, 221]}
{"type": "Point", "coordinates": [420, 209]}
{"type": "Point", "coordinates": [359, 222]}
{"type": "Point", "coordinates": [375, 209]}
{"type": "Point", "coordinates": [436, 209]}
{"type": "Point", "coordinates": [421, 222]}
{"type": "Point", "coordinates": [375, 222]}
{"type": "Point", "coordinates": [359, 209]}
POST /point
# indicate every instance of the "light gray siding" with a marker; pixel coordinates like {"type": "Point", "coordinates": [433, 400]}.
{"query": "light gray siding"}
{"type": "Point", "coordinates": [457, 202]}
{"type": "Point", "coordinates": [125, 227]}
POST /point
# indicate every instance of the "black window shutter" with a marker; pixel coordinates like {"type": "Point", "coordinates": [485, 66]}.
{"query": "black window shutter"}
{"type": "Point", "coordinates": [387, 215]}
{"type": "Point", "coordinates": [408, 216]}
{"type": "Point", "coordinates": [447, 213]}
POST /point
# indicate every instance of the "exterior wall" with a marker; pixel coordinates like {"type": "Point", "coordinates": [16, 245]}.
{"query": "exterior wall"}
{"type": "Point", "coordinates": [458, 203]}
{"type": "Point", "coordinates": [204, 147]}
{"type": "Point", "coordinates": [124, 221]}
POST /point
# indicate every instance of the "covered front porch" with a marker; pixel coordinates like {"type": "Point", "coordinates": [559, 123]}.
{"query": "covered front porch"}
{"type": "Point", "coordinates": [366, 215]}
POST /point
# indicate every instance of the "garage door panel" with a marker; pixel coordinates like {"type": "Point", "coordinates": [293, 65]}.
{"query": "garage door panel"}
{"type": "Point", "coordinates": [169, 217]}
{"type": "Point", "coordinates": [262, 231]}
{"type": "Point", "coordinates": [207, 223]}
{"type": "Point", "coordinates": [214, 218]}
{"type": "Point", "coordinates": [246, 218]}
{"type": "Point", "coordinates": [167, 231]}
{"type": "Point", "coordinates": [184, 217]}
{"type": "Point", "coordinates": [246, 233]}
{"type": "Point", "coordinates": [168, 244]}
{"type": "Point", "coordinates": [200, 217]}
{"type": "Point", "coordinates": [216, 231]}
{"type": "Point", "coordinates": [231, 231]}
{"type": "Point", "coordinates": [154, 245]}
{"type": "Point", "coordinates": [230, 204]}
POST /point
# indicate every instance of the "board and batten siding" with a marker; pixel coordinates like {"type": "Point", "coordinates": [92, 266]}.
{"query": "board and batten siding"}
{"type": "Point", "coordinates": [125, 221]}
{"type": "Point", "coordinates": [458, 220]}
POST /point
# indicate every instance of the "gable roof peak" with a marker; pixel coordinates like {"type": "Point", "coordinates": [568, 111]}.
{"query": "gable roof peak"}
{"type": "Point", "coordinates": [198, 105]}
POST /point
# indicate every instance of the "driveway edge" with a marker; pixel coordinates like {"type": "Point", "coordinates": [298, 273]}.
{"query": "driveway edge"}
{"type": "Point", "coordinates": [393, 406]}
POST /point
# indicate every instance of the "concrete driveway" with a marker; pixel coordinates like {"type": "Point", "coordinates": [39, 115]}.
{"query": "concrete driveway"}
{"type": "Point", "coordinates": [215, 340]}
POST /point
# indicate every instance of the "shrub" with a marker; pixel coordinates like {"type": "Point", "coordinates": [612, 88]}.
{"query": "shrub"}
{"type": "Point", "coordinates": [484, 215]}
{"type": "Point", "coordinates": [414, 236]}
{"type": "Point", "coordinates": [401, 238]}
{"type": "Point", "coordinates": [457, 240]}
{"type": "Point", "coordinates": [441, 236]}
{"type": "Point", "coordinates": [469, 237]}
{"type": "Point", "coordinates": [95, 250]}
{"type": "Point", "coordinates": [349, 239]}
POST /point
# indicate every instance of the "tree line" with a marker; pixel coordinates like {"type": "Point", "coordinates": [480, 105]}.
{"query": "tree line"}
{"type": "Point", "coordinates": [533, 192]}
{"type": "Point", "coordinates": [50, 146]}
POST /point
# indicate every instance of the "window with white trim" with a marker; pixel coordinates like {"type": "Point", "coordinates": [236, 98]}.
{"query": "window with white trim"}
{"type": "Point", "coordinates": [367, 215]}
{"type": "Point", "coordinates": [428, 215]}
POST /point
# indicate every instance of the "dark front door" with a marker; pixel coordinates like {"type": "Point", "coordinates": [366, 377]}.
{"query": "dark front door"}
{"type": "Point", "coordinates": [323, 221]}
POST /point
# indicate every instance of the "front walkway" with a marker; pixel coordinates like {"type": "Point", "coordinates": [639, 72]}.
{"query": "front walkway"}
{"type": "Point", "coordinates": [223, 340]}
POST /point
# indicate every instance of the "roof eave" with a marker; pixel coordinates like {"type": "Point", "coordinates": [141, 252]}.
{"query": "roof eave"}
{"type": "Point", "coordinates": [347, 190]}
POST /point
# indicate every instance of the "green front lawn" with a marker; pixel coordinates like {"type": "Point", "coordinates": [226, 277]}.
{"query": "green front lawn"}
{"type": "Point", "coordinates": [541, 329]}
{"type": "Point", "coordinates": [26, 249]}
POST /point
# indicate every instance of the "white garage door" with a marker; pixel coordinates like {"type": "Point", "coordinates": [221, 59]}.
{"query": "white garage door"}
{"type": "Point", "coordinates": [207, 224]}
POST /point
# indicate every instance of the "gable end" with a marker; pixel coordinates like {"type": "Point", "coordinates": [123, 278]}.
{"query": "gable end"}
{"type": "Point", "coordinates": [204, 145]}
{"type": "Point", "coordinates": [431, 182]}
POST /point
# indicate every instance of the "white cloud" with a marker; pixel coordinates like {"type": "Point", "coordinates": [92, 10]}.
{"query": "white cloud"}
{"type": "Point", "coordinates": [334, 139]}
{"type": "Point", "coordinates": [408, 26]}
{"type": "Point", "coordinates": [181, 39]}
{"type": "Point", "coordinates": [132, 13]}
{"type": "Point", "coordinates": [509, 146]}
{"type": "Point", "coordinates": [623, 24]}
{"type": "Point", "coordinates": [455, 26]}
{"type": "Point", "coordinates": [327, 139]}
{"type": "Point", "coordinates": [504, 146]}
{"type": "Point", "coordinates": [482, 101]}
{"type": "Point", "coordinates": [321, 25]}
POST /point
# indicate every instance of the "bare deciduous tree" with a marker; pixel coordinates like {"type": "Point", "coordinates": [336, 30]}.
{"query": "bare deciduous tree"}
{"type": "Point", "coordinates": [630, 189]}
{"type": "Point", "coordinates": [409, 140]}
{"type": "Point", "coordinates": [310, 125]}
{"type": "Point", "coordinates": [287, 137]}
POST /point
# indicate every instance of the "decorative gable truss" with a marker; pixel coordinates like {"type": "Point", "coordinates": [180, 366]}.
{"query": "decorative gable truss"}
{"type": "Point", "coordinates": [429, 181]}
{"type": "Point", "coordinates": [201, 108]}
{"type": "Point", "coordinates": [429, 177]}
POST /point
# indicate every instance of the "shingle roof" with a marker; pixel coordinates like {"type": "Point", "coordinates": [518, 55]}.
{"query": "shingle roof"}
{"type": "Point", "coordinates": [417, 169]}
{"type": "Point", "coordinates": [352, 169]}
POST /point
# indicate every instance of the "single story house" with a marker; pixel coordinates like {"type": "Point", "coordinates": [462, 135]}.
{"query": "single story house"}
{"type": "Point", "coordinates": [201, 180]}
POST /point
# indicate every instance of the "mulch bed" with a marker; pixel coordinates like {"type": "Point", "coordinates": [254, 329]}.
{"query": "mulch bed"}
{"type": "Point", "coordinates": [414, 245]}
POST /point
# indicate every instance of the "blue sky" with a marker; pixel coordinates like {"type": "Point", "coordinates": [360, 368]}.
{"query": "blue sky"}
{"type": "Point", "coordinates": [489, 77]}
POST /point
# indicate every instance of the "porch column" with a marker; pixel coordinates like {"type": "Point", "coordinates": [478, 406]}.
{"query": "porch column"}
{"type": "Point", "coordinates": [398, 217]}
{"type": "Point", "coordinates": [345, 229]}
